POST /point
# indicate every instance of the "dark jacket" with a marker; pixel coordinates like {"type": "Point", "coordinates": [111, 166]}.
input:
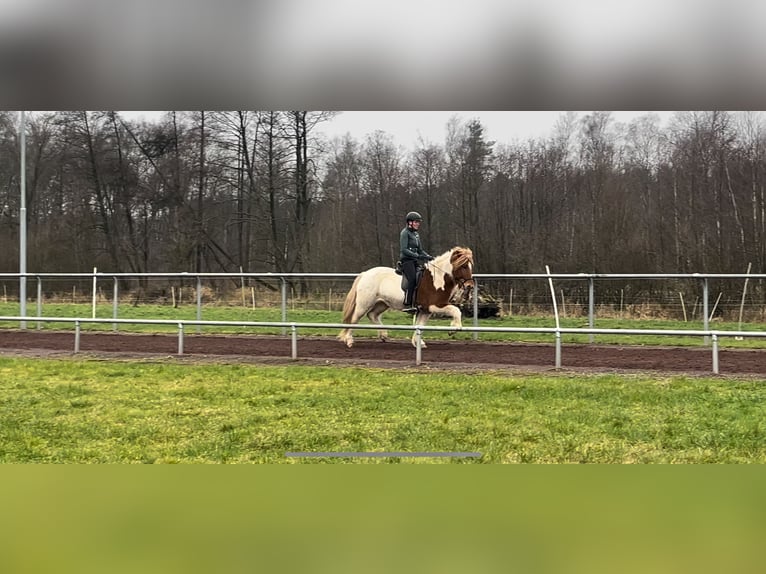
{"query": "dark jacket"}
{"type": "Point", "coordinates": [409, 246]}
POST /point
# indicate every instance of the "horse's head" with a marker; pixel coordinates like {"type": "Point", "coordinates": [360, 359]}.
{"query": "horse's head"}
{"type": "Point", "coordinates": [462, 268]}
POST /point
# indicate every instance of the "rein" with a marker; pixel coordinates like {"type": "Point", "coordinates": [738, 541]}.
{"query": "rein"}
{"type": "Point", "coordinates": [435, 266]}
{"type": "Point", "coordinates": [461, 282]}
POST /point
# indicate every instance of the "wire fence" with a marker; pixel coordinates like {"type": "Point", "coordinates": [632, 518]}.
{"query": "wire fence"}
{"type": "Point", "coordinates": [694, 297]}
{"type": "Point", "coordinates": [688, 297]}
{"type": "Point", "coordinates": [418, 332]}
{"type": "Point", "coordinates": [678, 295]}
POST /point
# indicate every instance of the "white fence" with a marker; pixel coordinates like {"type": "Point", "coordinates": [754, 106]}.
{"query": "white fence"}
{"type": "Point", "coordinates": [283, 279]}
{"type": "Point", "coordinates": [96, 281]}
{"type": "Point", "coordinates": [418, 330]}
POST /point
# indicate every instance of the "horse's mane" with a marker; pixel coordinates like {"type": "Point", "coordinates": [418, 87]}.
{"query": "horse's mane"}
{"type": "Point", "coordinates": [443, 264]}
{"type": "Point", "coordinates": [463, 256]}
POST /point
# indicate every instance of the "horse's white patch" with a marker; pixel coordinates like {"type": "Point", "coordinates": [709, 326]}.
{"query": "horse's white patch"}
{"type": "Point", "coordinates": [437, 268]}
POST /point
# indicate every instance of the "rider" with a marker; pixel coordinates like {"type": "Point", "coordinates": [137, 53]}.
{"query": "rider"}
{"type": "Point", "coordinates": [411, 253]}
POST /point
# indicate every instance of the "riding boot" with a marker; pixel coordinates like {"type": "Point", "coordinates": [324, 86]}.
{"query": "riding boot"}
{"type": "Point", "coordinates": [408, 306]}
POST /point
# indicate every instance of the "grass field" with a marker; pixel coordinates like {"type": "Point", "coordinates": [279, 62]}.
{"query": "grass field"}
{"type": "Point", "coordinates": [272, 314]}
{"type": "Point", "coordinates": [67, 411]}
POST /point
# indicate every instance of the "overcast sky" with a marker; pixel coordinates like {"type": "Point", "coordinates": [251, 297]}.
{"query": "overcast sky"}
{"type": "Point", "coordinates": [407, 127]}
{"type": "Point", "coordinates": [500, 126]}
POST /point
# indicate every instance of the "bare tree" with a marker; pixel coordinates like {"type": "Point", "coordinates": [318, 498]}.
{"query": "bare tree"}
{"type": "Point", "coordinates": [752, 136]}
{"type": "Point", "coordinates": [597, 152]}
{"type": "Point", "coordinates": [384, 201]}
{"type": "Point", "coordinates": [342, 197]}
{"type": "Point", "coordinates": [469, 157]}
{"type": "Point", "coordinates": [428, 167]}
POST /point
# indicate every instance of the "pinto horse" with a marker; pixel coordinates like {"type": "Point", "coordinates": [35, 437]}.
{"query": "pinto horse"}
{"type": "Point", "coordinates": [449, 277]}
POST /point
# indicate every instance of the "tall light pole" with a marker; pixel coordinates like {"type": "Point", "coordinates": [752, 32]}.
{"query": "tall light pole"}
{"type": "Point", "coordinates": [23, 226]}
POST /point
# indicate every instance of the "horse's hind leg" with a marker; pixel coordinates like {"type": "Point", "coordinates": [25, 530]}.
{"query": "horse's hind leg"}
{"type": "Point", "coordinates": [374, 316]}
{"type": "Point", "coordinates": [345, 335]}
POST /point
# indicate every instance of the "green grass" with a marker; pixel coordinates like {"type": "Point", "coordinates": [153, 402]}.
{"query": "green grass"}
{"type": "Point", "coordinates": [67, 411]}
{"type": "Point", "coordinates": [274, 314]}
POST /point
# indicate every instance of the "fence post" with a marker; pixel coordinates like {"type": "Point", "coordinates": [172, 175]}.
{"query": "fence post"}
{"type": "Point", "coordinates": [715, 353]}
{"type": "Point", "coordinates": [418, 346]}
{"type": "Point", "coordinates": [93, 297]}
{"type": "Point", "coordinates": [199, 304]}
{"type": "Point", "coordinates": [475, 334]}
{"type": "Point", "coordinates": [39, 301]}
{"type": "Point", "coordinates": [284, 303]}
{"type": "Point", "coordinates": [115, 295]}
{"type": "Point", "coordinates": [556, 315]}
{"type": "Point", "coordinates": [705, 312]}
{"type": "Point", "coordinates": [591, 307]}
{"type": "Point", "coordinates": [294, 336]}
{"type": "Point", "coordinates": [76, 336]}
{"type": "Point", "coordinates": [180, 338]}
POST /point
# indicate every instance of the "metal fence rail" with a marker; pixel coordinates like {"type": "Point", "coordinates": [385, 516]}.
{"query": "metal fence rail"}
{"type": "Point", "coordinates": [715, 335]}
{"type": "Point", "coordinates": [283, 279]}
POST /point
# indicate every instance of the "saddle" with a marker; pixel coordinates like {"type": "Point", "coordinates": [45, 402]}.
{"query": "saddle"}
{"type": "Point", "coordinates": [418, 275]}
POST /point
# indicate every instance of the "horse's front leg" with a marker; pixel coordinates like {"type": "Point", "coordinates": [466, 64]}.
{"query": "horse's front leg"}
{"type": "Point", "coordinates": [420, 320]}
{"type": "Point", "coordinates": [457, 318]}
{"type": "Point", "coordinates": [454, 313]}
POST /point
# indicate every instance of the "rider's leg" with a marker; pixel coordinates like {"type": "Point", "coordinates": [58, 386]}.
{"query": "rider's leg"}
{"type": "Point", "coordinates": [409, 270]}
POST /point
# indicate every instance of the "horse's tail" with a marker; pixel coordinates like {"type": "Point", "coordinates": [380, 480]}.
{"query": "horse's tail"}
{"type": "Point", "coordinates": [349, 305]}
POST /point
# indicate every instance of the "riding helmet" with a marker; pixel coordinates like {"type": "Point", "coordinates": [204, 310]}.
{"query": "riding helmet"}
{"type": "Point", "coordinates": [414, 216]}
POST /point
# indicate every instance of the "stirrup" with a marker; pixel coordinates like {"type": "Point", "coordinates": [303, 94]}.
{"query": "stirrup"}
{"type": "Point", "coordinates": [410, 310]}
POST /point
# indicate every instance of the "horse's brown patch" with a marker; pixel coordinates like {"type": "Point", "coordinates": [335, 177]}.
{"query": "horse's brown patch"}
{"type": "Point", "coordinates": [461, 261]}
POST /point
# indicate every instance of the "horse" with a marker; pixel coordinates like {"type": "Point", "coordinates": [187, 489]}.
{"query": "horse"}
{"type": "Point", "coordinates": [447, 278]}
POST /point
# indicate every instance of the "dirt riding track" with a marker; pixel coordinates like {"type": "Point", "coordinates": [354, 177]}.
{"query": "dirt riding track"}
{"type": "Point", "coordinates": [439, 354]}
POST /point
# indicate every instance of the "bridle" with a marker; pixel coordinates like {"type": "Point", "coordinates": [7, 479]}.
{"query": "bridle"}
{"type": "Point", "coordinates": [465, 286]}
{"type": "Point", "coordinates": [461, 282]}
